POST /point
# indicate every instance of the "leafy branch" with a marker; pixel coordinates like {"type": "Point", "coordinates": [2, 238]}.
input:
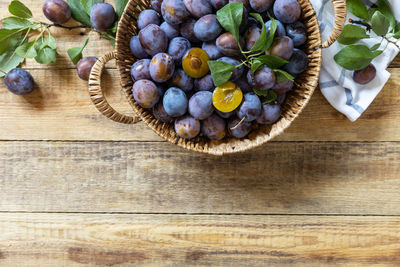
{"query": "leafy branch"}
{"type": "Point", "coordinates": [375, 23]}
{"type": "Point", "coordinates": [24, 37]}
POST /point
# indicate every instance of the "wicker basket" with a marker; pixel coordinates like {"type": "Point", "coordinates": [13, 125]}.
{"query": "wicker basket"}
{"type": "Point", "coordinates": [295, 103]}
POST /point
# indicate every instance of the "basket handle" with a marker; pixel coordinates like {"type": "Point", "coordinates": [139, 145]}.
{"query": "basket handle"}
{"type": "Point", "coordinates": [340, 20]}
{"type": "Point", "coordinates": [97, 96]}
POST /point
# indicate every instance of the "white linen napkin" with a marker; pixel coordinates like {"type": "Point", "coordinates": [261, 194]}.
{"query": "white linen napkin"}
{"type": "Point", "coordinates": [336, 83]}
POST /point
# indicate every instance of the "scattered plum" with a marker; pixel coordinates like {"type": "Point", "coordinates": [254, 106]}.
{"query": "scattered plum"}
{"type": "Point", "coordinates": [227, 44]}
{"type": "Point", "coordinates": [84, 67]}
{"type": "Point", "coordinates": [187, 127]}
{"type": "Point", "coordinates": [238, 128]}
{"type": "Point", "coordinates": [365, 75]}
{"type": "Point", "coordinates": [204, 84]}
{"type": "Point", "coordinates": [287, 11]}
{"type": "Point", "coordinates": [56, 11]}
{"type": "Point", "coordinates": [282, 47]}
{"type": "Point", "coordinates": [262, 79]}
{"type": "Point", "coordinates": [261, 5]}
{"type": "Point", "coordinates": [136, 48]}
{"type": "Point", "coordinates": [175, 102]}
{"type": "Point", "coordinates": [178, 48]}
{"type": "Point", "coordinates": [19, 81]}
{"type": "Point", "coordinates": [145, 93]}
{"type": "Point", "coordinates": [140, 70]}
{"type": "Point", "coordinates": [160, 114]}
{"type": "Point", "coordinates": [297, 63]}
{"type": "Point", "coordinates": [147, 17]}
{"type": "Point", "coordinates": [207, 28]}
{"type": "Point", "coordinates": [153, 39]}
{"type": "Point", "coordinates": [181, 80]}
{"type": "Point", "coordinates": [174, 11]}
{"type": "Point", "coordinates": [250, 108]}
{"type": "Point", "coordinates": [187, 30]}
{"type": "Point", "coordinates": [214, 127]}
{"type": "Point", "coordinates": [171, 31]}
{"type": "Point", "coordinates": [270, 113]}
{"type": "Point", "coordinates": [162, 67]}
{"type": "Point", "coordinates": [201, 105]}
{"type": "Point", "coordinates": [212, 50]}
{"type": "Point", "coordinates": [297, 32]}
{"type": "Point", "coordinates": [102, 16]}
{"type": "Point", "coordinates": [198, 8]}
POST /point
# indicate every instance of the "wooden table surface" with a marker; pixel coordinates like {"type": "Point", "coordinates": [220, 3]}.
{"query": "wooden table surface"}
{"type": "Point", "coordinates": [79, 190]}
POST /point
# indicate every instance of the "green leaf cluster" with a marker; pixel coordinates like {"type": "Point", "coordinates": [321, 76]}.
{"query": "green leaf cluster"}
{"type": "Point", "coordinates": [380, 20]}
{"type": "Point", "coordinates": [230, 17]}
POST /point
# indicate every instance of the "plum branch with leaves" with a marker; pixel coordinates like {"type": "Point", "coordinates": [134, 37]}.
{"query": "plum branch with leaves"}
{"type": "Point", "coordinates": [22, 36]}
{"type": "Point", "coordinates": [230, 18]}
{"type": "Point", "coordinates": [379, 20]}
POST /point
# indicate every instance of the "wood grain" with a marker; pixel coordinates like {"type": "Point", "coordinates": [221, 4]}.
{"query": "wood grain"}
{"type": "Point", "coordinates": [279, 178]}
{"type": "Point", "coordinates": [60, 109]}
{"type": "Point", "coordinates": [174, 240]}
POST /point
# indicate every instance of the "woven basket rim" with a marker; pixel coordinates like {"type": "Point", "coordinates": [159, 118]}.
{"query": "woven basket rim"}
{"type": "Point", "coordinates": [292, 108]}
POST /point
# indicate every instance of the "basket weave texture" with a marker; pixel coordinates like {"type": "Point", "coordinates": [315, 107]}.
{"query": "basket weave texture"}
{"type": "Point", "coordinates": [294, 104]}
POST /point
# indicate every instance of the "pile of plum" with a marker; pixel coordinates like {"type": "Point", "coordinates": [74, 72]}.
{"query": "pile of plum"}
{"type": "Point", "coordinates": [176, 41]}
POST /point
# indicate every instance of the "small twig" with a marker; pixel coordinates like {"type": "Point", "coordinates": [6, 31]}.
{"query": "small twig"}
{"type": "Point", "coordinates": [362, 23]}
{"type": "Point", "coordinates": [239, 123]}
{"type": "Point", "coordinates": [66, 27]}
{"type": "Point", "coordinates": [392, 42]}
{"type": "Point", "coordinates": [3, 71]}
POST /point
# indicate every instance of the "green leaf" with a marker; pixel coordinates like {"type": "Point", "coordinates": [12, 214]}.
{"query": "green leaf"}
{"type": "Point", "coordinates": [351, 34]}
{"type": "Point", "coordinates": [15, 23]}
{"type": "Point", "coordinates": [272, 62]}
{"type": "Point", "coordinates": [46, 55]}
{"type": "Point", "coordinates": [87, 5]}
{"type": "Point", "coordinates": [19, 9]}
{"type": "Point", "coordinates": [120, 6]}
{"type": "Point", "coordinates": [282, 76]}
{"type": "Point", "coordinates": [355, 57]}
{"type": "Point", "coordinates": [220, 71]}
{"type": "Point", "coordinates": [397, 31]}
{"type": "Point", "coordinates": [371, 12]}
{"type": "Point", "coordinates": [230, 17]}
{"type": "Point", "coordinates": [27, 50]}
{"type": "Point", "coordinates": [271, 35]}
{"type": "Point", "coordinates": [8, 61]}
{"type": "Point", "coordinates": [109, 37]}
{"type": "Point", "coordinates": [78, 12]}
{"type": "Point", "coordinates": [380, 24]}
{"type": "Point", "coordinates": [267, 96]}
{"type": "Point", "coordinates": [386, 9]}
{"type": "Point", "coordinates": [256, 65]}
{"type": "Point", "coordinates": [75, 54]}
{"type": "Point", "coordinates": [51, 42]}
{"type": "Point", "coordinates": [357, 8]}
{"type": "Point", "coordinates": [46, 42]}
{"type": "Point", "coordinates": [270, 98]}
{"type": "Point", "coordinates": [9, 39]}
{"type": "Point", "coordinates": [375, 46]}
{"type": "Point", "coordinates": [259, 45]}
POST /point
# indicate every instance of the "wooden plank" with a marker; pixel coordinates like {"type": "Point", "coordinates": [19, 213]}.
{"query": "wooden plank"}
{"type": "Point", "coordinates": [175, 240]}
{"type": "Point", "coordinates": [279, 178]}
{"type": "Point", "coordinates": [61, 110]}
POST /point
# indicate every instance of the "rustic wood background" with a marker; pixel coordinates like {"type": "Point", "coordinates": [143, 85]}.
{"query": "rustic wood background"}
{"type": "Point", "coordinates": [80, 190]}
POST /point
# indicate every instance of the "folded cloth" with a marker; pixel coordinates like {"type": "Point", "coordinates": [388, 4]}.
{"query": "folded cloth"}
{"type": "Point", "coordinates": [336, 83]}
